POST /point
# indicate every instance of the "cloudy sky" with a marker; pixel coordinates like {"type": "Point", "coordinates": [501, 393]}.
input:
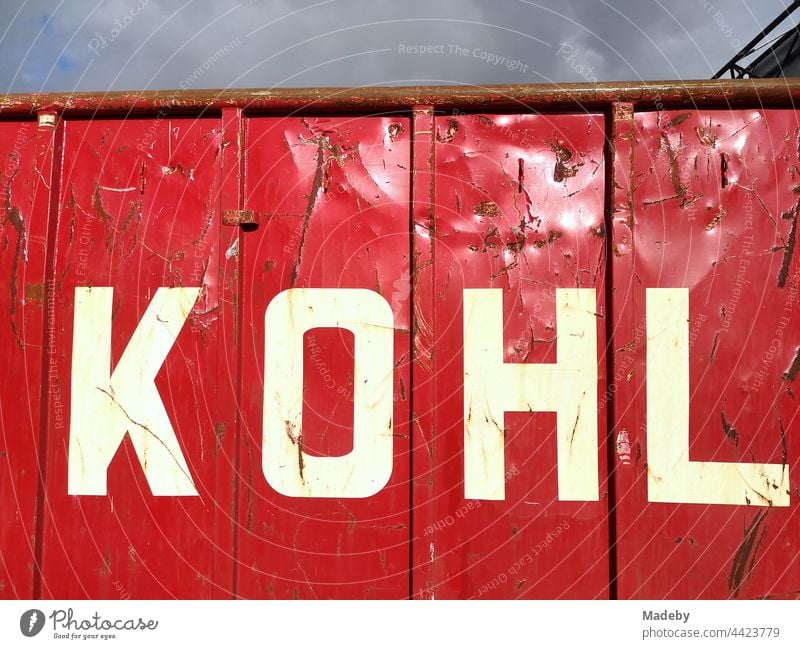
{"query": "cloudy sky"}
{"type": "Point", "coordinates": [47, 45]}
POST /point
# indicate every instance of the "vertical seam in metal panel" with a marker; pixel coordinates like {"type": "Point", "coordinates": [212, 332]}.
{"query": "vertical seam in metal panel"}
{"type": "Point", "coordinates": [237, 324]}
{"type": "Point", "coordinates": [610, 396]}
{"type": "Point", "coordinates": [411, 297]}
{"type": "Point", "coordinates": [55, 149]}
{"type": "Point", "coordinates": [610, 317]}
{"type": "Point", "coordinates": [434, 383]}
{"type": "Point", "coordinates": [429, 145]}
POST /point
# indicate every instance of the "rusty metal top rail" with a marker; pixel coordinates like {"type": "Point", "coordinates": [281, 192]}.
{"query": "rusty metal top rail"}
{"type": "Point", "coordinates": [652, 94]}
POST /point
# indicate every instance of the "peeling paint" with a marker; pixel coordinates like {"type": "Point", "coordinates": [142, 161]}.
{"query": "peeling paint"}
{"type": "Point", "coordinates": [794, 368]}
{"type": "Point", "coordinates": [706, 136]}
{"type": "Point", "coordinates": [788, 253]}
{"type": "Point", "coordinates": [562, 170]}
{"type": "Point", "coordinates": [14, 218]}
{"type": "Point", "coordinates": [745, 557]}
{"type": "Point", "coordinates": [487, 208]}
{"type": "Point", "coordinates": [716, 219]}
{"type": "Point", "coordinates": [316, 187]}
{"type": "Point", "coordinates": [678, 119]}
{"type": "Point", "coordinates": [623, 447]}
{"type": "Point", "coordinates": [729, 430]}
{"type": "Point", "coordinates": [395, 130]}
{"type": "Point", "coordinates": [233, 249]}
{"type": "Point", "coordinates": [450, 134]}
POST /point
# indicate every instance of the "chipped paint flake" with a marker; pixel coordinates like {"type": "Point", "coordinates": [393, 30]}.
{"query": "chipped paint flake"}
{"type": "Point", "coordinates": [233, 250]}
{"type": "Point", "coordinates": [623, 446]}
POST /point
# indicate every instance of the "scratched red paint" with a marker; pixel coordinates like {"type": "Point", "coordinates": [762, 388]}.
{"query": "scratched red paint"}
{"type": "Point", "coordinates": [715, 208]}
{"type": "Point", "coordinates": [25, 152]}
{"type": "Point", "coordinates": [518, 201]}
{"type": "Point", "coordinates": [416, 207]}
{"type": "Point", "coordinates": [138, 210]}
{"type": "Point", "coordinates": [334, 193]}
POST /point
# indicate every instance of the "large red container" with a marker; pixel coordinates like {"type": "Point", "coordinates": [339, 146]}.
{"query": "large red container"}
{"type": "Point", "coordinates": [518, 342]}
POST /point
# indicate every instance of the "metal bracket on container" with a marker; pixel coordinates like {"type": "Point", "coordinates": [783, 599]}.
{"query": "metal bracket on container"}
{"type": "Point", "coordinates": [241, 217]}
{"type": "Point", "coordinates": [47, 118]}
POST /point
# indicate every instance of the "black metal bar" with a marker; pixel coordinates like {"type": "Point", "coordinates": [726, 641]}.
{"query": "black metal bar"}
{"type": "Point", "coordinates": [747, 49]}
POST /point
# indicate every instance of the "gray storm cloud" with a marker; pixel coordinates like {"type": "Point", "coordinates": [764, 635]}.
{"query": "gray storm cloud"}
{"type": "Point", "coordinates": [155, 44]}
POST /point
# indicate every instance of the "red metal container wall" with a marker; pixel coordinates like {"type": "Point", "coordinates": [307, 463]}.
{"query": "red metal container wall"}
{"type": "Point", "coordinates": [26, 152]}
{"type": "Point", "coordinates": [414, 209]}
{"type": "Point", "coordinates": [707, 201]}
{"type": "Point", "coordinates": [518, 206]}
{"type": "Point", "coordinates": [333, 193]}
{"type": "Point", "coordinates": [139, 211]}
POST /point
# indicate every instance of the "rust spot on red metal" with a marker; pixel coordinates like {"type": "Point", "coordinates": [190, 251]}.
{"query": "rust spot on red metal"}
{"type": "Point", "coordinates": [395, 129]}
{"type": "Point", "coordinates": [681, 191]}
{"type": "Point", "coordinates": [723, 170]}
{"type": "Point", "coordinates": [552, 235]}
{"type": "Point", "coordinates": [714, 346]}
{"type": "Point", "coordinates": [490, 239]}
{"type": "Point", "coordinates": [486, 208]}
{"type": "Point", "coordinates": [14, 218]}
{"type": "Point", "coordinates": [706, 136]}
{"type": "Point", "coordinates": [297, 440]}
{"type": "Point", "coordinates": [34, 292]}
{"type": "Point", "coordinates": [504, 269]}
{"type": "Point", "coordinates": [745, 556]}
{"type": "Point", "coordinates": [794, 368]}
{"type": "Point", "coordinates": [241, 217]}
{"type": "Point", "coordinates": [561, 170]}
{"type": "Point", "coordinates": [715, 219]}
{"type": "Point", "coordinates": [678, 119]}
{"type": "Point", "coordinates": [316, 185]}
{"type": "Point", "coordinates": [599, 231]}
{"type": "Point", "coordinates": [729, 430]}
{"type": "Point", "coordinates": [450, 134]}
{"type": "Point", "coordinates": [97, 204]}
{"type": "Point", "coordinates": [219, 433]}
{"type": "Point", "coordinates": [623, 111]}
{"type": "Point", "coordinates": [791, 243]}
